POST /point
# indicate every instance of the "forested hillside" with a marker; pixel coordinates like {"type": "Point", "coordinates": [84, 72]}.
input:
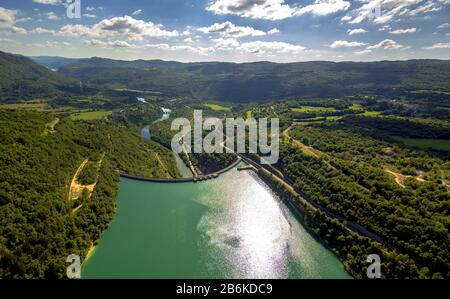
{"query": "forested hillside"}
{"type": "Point", "coordinates": [263, 80]}
{"type": "Point", "coordinates": [41, 222]}
{"type": "Point", "coordinates": [23, 79]}
{"type": "Point", "coordinates": [358, 171]}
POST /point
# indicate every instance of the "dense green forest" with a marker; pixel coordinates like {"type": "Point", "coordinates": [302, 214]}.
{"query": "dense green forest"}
{"type": "Point", "coordinates": [262, 80]}
{"type": "Point", "coordinates": [38, 227]}
{"type": "Point", "coordinates": [351, 173]}
{"type": "Point", "coordinates": [23, 79]}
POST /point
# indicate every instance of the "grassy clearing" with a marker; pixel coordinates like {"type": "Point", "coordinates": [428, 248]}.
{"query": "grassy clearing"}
{"type": "Point", "coordinates": [371, 113]}
{"type": "Point", "coordinates": [216, 107]}
{"type": "Point", "coordinates": [26, 106]}
{"type": "Point", "coordinates": [437, 144]}
{"type": "Point", "coordinates": [356, 107]}
{"type": "Point", "coordinates": [90, 115]}
{"type": "Point", "coordinates": [311, 109]}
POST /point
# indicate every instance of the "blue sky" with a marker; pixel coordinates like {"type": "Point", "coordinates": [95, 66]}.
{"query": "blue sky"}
{"type": "Point", "coordinates": [230, 30]}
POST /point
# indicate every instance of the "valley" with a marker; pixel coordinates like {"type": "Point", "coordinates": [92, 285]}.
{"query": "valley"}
{"type": "Point", "coordinates": [361, 170]}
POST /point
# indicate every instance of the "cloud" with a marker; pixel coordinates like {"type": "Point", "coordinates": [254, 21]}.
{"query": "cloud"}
{"type": "Point", "coordinates": [228, 29]}
{"type": "Point", "coordinates": [90, 8]}
{"type": "Point", "coordinates": [18, 30]}
{"type": "Point", "coordinates": [48, 2]}
{"type": "Point", "coordinates": [323, 8]}
{"type": "Point", "coordinates": [7, 17]}
{"type": "Point", "coordinates": [40, 30]}
{"type": "Point", "coordinates": [356, 31]}
{"type": "Point", "coordinates": [52, 44]}
{"type": "Point", "coordinates": [346, 44]}
{"type": "Point", "coordinates": [274, 9]}
{"type": "Point", "coordinates": [126, 26]}
{"type": "Point", "coordinates": [260, 47]}
{"type": "Point", "coordinates": [23, 20]}
{"type": "Point", "coordinates": [273, 31]}
{"type": "Point", "coordinates": [363, 52]}
{"type": "Point", "coordinates": [442, 26]}
{"type": "Point", "coordinates": [384, 11]}
{"type": "Point", "coordinates": [387, 44]}
{"type": "Point", "coordinates": [112, 44]}
{"type": "Point", "coordinates": [88, 15]}
{"type": "Point", "coordinates": [384, 28]}
{"type": "Point", "coordinates": [52, 16]}
{"type": "Point", "coordinates": [8, 21]}
{"type": "Point", "coordinates": [439, 46]}
{"type": "Point", "coordinates": [403, 31]}
{"type": "Point", "coordinates": [137, 12]}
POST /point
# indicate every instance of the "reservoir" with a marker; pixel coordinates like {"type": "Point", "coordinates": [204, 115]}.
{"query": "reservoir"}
{"type": "Point", "coordinates": [230, 227]}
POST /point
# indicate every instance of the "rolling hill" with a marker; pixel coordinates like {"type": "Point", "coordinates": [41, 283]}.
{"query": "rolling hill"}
{"type": "Point", "coordinates": [22, 79]}
{"type": "Point", "coordinates": [262, 81]}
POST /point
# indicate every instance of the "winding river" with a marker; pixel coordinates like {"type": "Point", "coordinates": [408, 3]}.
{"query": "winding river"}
{"type": "Point", "coordinates": [230, 227]}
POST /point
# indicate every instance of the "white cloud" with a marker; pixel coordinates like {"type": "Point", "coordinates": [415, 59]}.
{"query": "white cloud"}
{"type": "Point", "coordinates": [363, 52]}
{"type": "Point", "coordinates": [228, 29]}
{"type": "Point", "coordinates": [40, 30]}
{"type": "Point", "coordinates": [346, 18]}
{"type": "Point", "coordinates": [90, 8]}
{"type": "Point", "coordinates": [18, 30]}
{"type": "Point", "coordinates": [23, 20]}
{"type": "Point", "coordinates": [118, 27]}
{"type": "Point", "coordinates": [52, 16]}
{"type": "Point", "coordinates": [387, 44]}
{"type": "Point", "coordinates": [346, 44]}
{"type": "Point", "coordinates": [439, 46]}
{"type": "Point", "coordinates": [226, 44]}
{"type": "Point", "coordinates": [260, 47]}
{"type": "Point", "coordinates": [384, 28]}
{"type": "Point", "coordinates": [273, 31]}
{"type": "Point", "coordinates": [88, 15]}
{"type": "Point", "coordinates": [442, 26]}
{"type": "Point", "coordinates": [403, 31]}
{"type": "Point", "coordinates": [48, 2]}
{"type": "Point", "coordinates": [7, 17]}
{"type": "Point", "coordinates": [8, 21]}
{"type": "Point", "coordinates": [112, 44]}
{"type": "Point", "coordinates": [323, 8]}
{"type": "Point", "coordinates": [356, 31]}
{"type": "Point", "coordinates": [384, 11]}
{"type": "Point", "coordinates": [275, 9]}
{"type": "Point", "coordinates": [137, 12]}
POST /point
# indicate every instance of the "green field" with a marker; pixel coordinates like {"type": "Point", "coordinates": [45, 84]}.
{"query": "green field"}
{"type": "Point", "coordinates": [437, 144]}
{"type": "Point", "coordinates": [356, 107]}
{"type": "Point", "coordinates": [311, 109]}
{"type": "Point", "coordinates": [371, 113]}
{"type": "Point", "coordinates": [90, 115]}
{"type": "Point", "coordinates": [27, 106]}
{"type": "Point", "coordinates": [216, 107]}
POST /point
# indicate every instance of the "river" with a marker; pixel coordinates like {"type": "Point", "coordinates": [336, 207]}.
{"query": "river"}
{"type": "Point", "coordinates": [230, 227]}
